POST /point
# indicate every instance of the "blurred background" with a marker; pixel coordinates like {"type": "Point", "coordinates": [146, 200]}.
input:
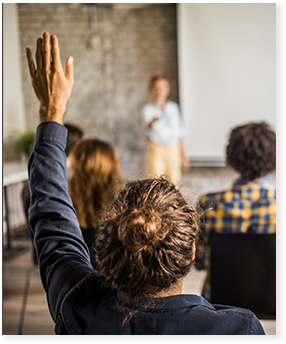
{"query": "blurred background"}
{"type": "Point", "coordinates": [220, 59]}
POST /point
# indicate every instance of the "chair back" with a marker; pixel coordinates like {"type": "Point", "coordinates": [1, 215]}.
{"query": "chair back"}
{"type": "Point", "coordinates": [243, 272]}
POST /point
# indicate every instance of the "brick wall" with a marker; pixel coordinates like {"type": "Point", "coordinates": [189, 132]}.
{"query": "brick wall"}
{"type": "Point", "coordinates": [115, 51]}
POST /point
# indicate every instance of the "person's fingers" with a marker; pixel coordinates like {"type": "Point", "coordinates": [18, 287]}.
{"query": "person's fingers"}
{"type": "Point", "coordinates": [39, 54]}
{"type": "Point", "coordinates": [46, 52]}
{"type": "Point", "coordinates": [31, 63]}
{"type": "Point", "coordinates": [69, 69]}
{"type": "Point", "coordinates": [56, 53]}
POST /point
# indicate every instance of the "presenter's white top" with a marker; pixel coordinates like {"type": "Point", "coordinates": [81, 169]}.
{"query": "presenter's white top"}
{"type": "Point", "coordinates": [169, 128]}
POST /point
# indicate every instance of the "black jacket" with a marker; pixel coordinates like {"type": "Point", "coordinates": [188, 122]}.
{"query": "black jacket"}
{"type": "Point", "coordinates": [77, 302]}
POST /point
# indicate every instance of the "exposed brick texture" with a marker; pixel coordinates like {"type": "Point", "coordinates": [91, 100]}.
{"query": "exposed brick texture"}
{"type": "Point", "coordinates": [115, 51]}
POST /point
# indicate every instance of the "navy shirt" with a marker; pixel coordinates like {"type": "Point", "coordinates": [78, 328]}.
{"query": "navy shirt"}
{"type": "Point", "coordinates": [77, 301]}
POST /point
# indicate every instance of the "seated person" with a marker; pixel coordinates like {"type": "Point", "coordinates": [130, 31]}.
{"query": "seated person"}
{"type": "Point", "coordinates": [94, 179]}
{"type": "Point", "coordinates": [142, 251]}
{"type": "Point", "coordinates": [249, 205]}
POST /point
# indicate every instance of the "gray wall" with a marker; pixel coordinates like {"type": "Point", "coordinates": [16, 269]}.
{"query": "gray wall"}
{"type": "Point", "coordinates": [115, 50]}
{"type": "Point", "coordinates": [13, 102]}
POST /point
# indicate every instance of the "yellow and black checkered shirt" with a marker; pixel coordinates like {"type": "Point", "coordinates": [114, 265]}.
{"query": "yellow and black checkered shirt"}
{"type": "Point", "coordinates": [248, 206]}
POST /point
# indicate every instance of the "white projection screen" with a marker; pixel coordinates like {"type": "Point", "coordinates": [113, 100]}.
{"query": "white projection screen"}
{"type": "Point", "coordinates": [227, 72]}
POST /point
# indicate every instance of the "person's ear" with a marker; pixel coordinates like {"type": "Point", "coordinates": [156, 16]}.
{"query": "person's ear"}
{"type": "Point", "coordinates": [194, 251]}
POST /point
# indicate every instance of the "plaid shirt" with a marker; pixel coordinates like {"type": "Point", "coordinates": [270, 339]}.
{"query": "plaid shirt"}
{"type": "Point", "coordinates": [245, 207]}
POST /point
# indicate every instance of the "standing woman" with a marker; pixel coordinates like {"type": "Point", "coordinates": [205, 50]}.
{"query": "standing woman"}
{"type": "Point", "coordinates": [163, 124]}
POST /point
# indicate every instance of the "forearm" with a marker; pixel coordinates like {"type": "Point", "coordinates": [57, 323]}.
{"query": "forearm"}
{"type": "Point", "coordinates": [150, 124]}
{"type": "Point", "coordinates": [48, 181]}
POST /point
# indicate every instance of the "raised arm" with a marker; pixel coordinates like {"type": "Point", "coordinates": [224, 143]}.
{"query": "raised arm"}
{"type": "Point", "coordinates": [63, 256]}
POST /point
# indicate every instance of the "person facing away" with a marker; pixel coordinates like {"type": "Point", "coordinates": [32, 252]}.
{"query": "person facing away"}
{"type": "Point", "coordinates": [164, 127]}
{"type": "Point", "coordinates": [249, 205]}
{"type": "Point", "coordinates": [142, 251]}
{"type": "Point", "coordinates": [94, 179]}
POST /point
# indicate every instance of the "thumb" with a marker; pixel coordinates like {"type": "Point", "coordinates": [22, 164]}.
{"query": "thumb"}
{"type": "Point", "coordinates": [69, 69]}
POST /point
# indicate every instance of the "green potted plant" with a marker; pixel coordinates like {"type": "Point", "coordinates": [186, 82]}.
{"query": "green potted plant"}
{"type": "Point", "coordinates": [24, 144]}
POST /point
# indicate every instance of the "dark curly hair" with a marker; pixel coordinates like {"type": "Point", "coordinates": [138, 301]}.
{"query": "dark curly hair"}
{"type": "Point", "coordinates": [145, 246]}
{"type": "Point", "coordinates": [251, 150]}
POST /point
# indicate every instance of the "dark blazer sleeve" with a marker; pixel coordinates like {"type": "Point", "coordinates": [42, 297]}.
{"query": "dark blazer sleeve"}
{"type": "Point", "coordinates": [62, 253]}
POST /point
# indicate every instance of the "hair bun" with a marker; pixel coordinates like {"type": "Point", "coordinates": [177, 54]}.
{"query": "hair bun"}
{"type": "Point", "coordinates": [139, 228]}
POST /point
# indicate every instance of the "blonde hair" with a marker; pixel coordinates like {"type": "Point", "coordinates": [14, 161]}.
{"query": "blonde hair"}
{"type": "Point", "coordinates": [94, 178]}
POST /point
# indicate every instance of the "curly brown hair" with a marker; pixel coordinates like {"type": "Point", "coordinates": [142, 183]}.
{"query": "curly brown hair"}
{"type": "Point", "coordinates": [145, 245]}
{"type": "Point", "coordinates": [94, 178]}
{"type": "Point", "coordinates": [251, 150]}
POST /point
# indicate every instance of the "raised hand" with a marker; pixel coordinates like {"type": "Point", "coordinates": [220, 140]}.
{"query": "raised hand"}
{"type": "Point", "coordinates": [51, 84]}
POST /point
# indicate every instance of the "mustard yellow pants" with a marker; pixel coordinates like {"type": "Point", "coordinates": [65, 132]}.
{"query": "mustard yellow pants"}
{"type": "Point", "coordinates": [164, 160]}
